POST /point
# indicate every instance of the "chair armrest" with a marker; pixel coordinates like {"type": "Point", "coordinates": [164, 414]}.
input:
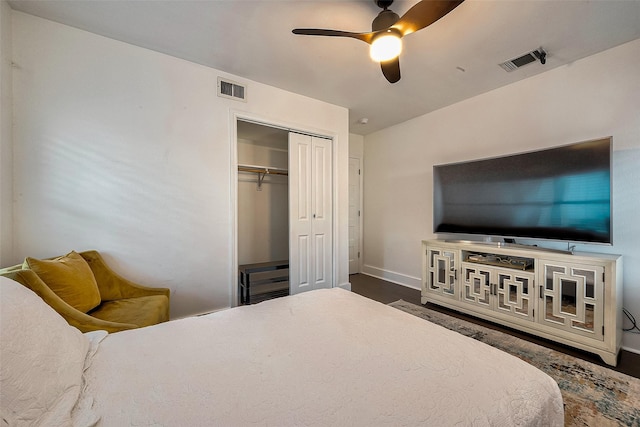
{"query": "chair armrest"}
{"type": "Point", "coordinates": [80, 320]}
{"type": "Point", "coordinates": [112, 286]}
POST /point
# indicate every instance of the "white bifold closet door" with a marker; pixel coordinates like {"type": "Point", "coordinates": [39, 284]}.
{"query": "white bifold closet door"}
{"type": "Point", "coordinates": [310, 213]}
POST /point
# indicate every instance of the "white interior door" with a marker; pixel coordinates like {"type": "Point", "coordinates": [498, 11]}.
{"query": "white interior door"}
{"type": "Point", "coordinates": [354, 215]}
{"type": "Point", "coordinates": [310, 213]}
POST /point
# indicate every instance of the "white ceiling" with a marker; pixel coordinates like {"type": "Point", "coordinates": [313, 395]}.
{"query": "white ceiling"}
{"type": "Point", "coordinates": [453, 59]}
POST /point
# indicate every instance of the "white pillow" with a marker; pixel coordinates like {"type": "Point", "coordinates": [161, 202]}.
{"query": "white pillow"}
{"type": "Point", "coordinates": [41, 358]}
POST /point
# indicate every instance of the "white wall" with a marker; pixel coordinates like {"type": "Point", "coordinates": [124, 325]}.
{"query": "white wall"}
{"type": "Point", "coordinates": [129, 151]}
{"type": "Point", "coordinates": [356, 145]}
{"type": "Point", "coordinates": [595, 97]}
{"type": "Point", "coordinates": [6, 125]}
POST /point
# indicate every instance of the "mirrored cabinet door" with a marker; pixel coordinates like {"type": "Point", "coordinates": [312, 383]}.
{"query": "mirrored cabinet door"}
{"type": "Point", "coordinates": [441, 272]}
{"type": "Point", "coordinates": [477, 286]}
{"type": "Point", "coordinates": [571, 298]}
{"type": "Point", "coordinates": [515, 294]}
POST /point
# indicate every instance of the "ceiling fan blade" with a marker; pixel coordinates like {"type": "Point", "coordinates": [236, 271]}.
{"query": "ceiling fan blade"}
{"type": "Point", "coordinates": [365, 37]}
{"type": "Point", "coordinates": [391, 69]}
{"type": "Point", "coordinates": [423, 14]}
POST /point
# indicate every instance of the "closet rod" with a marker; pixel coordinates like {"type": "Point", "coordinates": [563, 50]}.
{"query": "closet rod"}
{"type": "Point", "coordinates": [262, 172]}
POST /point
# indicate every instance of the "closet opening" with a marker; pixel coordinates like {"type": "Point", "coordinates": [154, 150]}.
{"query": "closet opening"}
{"type": "Point", "coordinates": [263, 212]}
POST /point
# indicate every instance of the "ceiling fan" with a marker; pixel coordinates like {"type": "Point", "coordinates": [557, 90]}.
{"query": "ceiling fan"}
{"type": "Point", "coordinates": [387, 30]}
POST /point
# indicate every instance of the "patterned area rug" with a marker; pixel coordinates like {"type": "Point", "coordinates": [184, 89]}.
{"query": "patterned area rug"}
{"type": "Point", "coordinates": [593, 395]}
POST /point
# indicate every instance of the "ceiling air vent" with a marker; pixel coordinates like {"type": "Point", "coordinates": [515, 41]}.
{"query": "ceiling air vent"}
{"type": "Point", "coordinates": [231, 90]}
{"type": "Point", "coordinates": [527, 58]}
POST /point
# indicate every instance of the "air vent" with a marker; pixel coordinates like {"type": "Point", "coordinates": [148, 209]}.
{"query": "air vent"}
{"type": "Point", "coordinates": [525, 59]}
{"type": "Point", "coordinates": [231, 90]}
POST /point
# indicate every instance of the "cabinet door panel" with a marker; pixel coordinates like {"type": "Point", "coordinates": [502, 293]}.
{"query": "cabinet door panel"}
{"type": "Point", "coordinates": [476, 285]}
{"type": "Point", "coordinates": [515, 294]}
{"type": "Point", "coordinates": [572, 298]}
{"type": "Point", "coordinates": [441, 272]}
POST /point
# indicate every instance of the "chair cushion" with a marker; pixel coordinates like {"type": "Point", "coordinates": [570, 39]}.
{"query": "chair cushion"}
{"type": "Point", "coordinates": [141, 311]}
{"type": "Point", "coordinates": [70, 277]}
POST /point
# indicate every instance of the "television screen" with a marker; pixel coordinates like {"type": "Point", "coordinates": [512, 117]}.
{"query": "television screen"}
{"type": "Point", "coordinates": [562, 193]}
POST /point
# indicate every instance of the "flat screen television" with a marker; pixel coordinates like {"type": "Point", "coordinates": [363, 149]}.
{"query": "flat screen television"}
{"type": "Point", "coordinates": [561, 193]}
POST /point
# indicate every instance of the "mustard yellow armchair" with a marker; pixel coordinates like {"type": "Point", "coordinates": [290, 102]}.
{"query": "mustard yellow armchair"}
{"type": "Point", "coordinates": [121, 304]}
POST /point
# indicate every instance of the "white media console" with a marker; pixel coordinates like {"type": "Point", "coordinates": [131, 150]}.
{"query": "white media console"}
{"type": "Point", "coordinates": [571, 298]}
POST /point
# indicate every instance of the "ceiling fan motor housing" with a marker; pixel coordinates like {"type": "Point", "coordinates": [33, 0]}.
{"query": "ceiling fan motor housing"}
{"type": "Point", "coordinates": [384, 20]}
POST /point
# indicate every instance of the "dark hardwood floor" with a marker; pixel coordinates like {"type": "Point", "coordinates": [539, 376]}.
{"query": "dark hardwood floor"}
{"type": "Point", "coordinates": [387, 292]}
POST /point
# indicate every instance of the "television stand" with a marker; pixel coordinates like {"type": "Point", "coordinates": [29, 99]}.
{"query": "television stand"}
{"type": "Point", "coordinates": [572, 298]}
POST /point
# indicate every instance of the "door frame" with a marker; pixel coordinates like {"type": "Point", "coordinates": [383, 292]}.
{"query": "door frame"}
{"type": "Point", "coordinates": [234, 117]}
{"type": "Point", "coordinates": [360, 208]}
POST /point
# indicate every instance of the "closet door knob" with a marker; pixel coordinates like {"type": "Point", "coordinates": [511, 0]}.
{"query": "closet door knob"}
{"type": "Point", "coordinates": [314, 215]}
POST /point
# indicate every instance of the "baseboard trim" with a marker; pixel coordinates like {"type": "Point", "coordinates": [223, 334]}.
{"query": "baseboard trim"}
{"type": "Point", "coordinates": [393, 277]}
{"type": "Point", "coordinates": [346, 286]}
{"type": "Point", "coordinates": [631, 350]}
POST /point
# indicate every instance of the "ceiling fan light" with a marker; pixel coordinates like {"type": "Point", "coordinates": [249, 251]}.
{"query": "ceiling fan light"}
{"type": "Point", "coordinates": [385, 47]}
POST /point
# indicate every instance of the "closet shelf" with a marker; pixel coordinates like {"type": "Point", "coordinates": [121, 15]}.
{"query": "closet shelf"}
{"type": "Point", "coordinates": [262, 172]}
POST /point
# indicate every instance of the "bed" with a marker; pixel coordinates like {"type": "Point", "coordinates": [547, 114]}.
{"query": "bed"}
{"type": "Point", "coordinates": [325, 357]}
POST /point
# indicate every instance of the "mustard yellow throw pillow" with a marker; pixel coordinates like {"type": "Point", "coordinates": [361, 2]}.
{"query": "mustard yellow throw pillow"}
{"type": "Point", "coordinates": [70, 277]}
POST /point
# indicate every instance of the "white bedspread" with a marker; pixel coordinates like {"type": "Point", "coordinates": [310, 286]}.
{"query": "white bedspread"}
{"type": "Point", "coordinates": [326, 357]}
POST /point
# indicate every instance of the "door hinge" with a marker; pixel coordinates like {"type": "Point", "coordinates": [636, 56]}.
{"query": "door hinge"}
{"type": "Point", "coordinates": [358, 171]}
{"type": "Point", "coordinates": [603, 277]}
{"type": "Point", "coordinates": [358, 254]}
{"type": "Point", "coordinates": [358, 213]}
{"type": "Point", "coordinates": [602, 330]}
